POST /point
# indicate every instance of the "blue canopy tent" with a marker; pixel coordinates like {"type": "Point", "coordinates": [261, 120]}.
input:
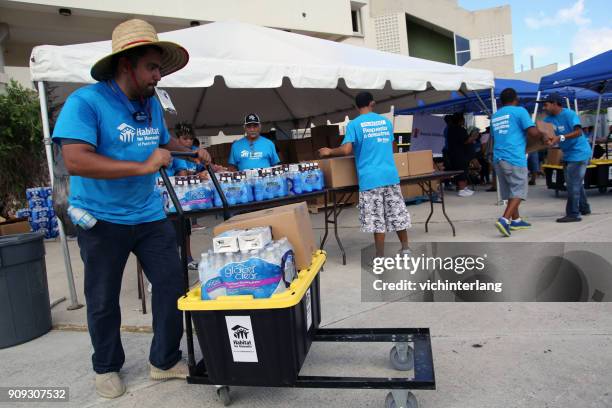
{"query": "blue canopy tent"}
{"type": "Point", "coordinates": [480, 102]}
{"type": "Point", "coordinates": [475, 101]}
{"type": "Point", "coordinates": [594, 74]}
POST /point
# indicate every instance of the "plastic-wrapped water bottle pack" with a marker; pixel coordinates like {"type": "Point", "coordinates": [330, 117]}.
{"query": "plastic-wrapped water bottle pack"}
{"type": "Point", "coordinates": [40, 211]}
{"type": "Point", "coordinates": [248, 266]}
{"type": "Point", "coordinates": [192, 192]}
{"type": "Point", "coordinates": [243, 187]}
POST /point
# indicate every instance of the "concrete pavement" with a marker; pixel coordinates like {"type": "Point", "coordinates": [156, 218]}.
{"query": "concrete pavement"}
{"type": "Point", "coordinates": [486, 354]}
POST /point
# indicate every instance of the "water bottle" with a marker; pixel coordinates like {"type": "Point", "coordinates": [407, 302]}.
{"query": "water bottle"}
{"type": "Point", "coordinates": [81, 218]}
{"type": "Point", "coordinates": [320, 177]}
{"type": "Point", "coordinates": [244, 189]}
{"type": "Point", "coordinates": [258, 190]}
{"type": "Point", "coordinates": [216, 197]}
{"type": "Point", "coordinates": [204, 267]}
{"type": "Point", "coordinates": [306, 180]}
{"type": "Point", "coordinates": [228, 190]}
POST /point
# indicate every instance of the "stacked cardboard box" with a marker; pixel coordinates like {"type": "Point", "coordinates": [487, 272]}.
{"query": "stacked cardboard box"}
{"type": "Point", "coordinates": [291, 221]}
{"type": "Point", "coordinates": [14, 226]}
{"type": "Point", "coordinates": [554, 156]}
{"type": "Point", "coordinates": [220, 153]}
{"type": "Point", "coordinates": [301, 150]}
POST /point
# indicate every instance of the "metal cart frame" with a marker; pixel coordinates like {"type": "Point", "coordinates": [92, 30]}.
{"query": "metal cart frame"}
{"type": "Point", "coordinates": [403, 356]}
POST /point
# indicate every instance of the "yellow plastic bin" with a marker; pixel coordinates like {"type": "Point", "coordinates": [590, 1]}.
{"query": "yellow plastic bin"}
{"type": "Point", "coordinates": [258, 342]}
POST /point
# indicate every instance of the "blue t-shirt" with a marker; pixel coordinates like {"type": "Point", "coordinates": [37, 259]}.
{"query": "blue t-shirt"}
{"type": "Point", "coordinates": [176, 166]}
{"type": "Point", "coordinates": [246, 155]}
{"type": "Point", "coordinates": [372, 137]}
{"type": "Point", "coordinates": [508, 129]}
{"type": "Point", "coordinates": [97, 115]}
{"type": "Point", "coordinates": [576, 149]}
{"type": "Point", "coordinates": [184, 164]}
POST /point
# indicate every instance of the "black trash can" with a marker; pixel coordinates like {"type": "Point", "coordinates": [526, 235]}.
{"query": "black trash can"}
{"type": "Point", "coordinates": [25, 312]}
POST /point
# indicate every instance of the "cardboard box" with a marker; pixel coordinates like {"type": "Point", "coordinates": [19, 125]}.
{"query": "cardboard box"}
{"type": "Point", "coordinates": [411, 191]}
{"type": "Point", "coordinates": [300, 150]}
{"type": "Point", "coordinates": [535, 144]}
{"type": "Point", "coordinates": [15, 226]}
{"type": "Point", "coordinates": [335, 140]}
{"type": "Point", "coordinates": [321, 136]}
{"type": "Point", "coordinates": [420, 162]}
{"type": "Point", "coordinates": [291, 221]}
{"type": "Point", "coordinates": [414, 190]}
{"type": "Point", "coordinates": [401, 163]}
{"type": "Point", "coordinates": [339, 171]}
{"type": "Point", "coordinates": [554, 156]}
{"type": "Point", "coordinates": [319, 202]}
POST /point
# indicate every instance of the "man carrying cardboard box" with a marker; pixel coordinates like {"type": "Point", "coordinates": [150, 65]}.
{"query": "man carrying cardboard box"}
{"type": "Point", "coordinates": [576, 155]}
{"type": "Point", "coordinates": [510, 127]}
{"type": "Point", "coordinates": [381, 205]}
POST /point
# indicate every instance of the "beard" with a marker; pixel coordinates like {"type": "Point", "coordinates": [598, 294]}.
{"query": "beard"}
{"type": "Point", "coordinates": [148, 91]}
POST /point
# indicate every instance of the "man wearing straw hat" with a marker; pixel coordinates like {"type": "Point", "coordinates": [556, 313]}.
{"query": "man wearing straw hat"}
{"type": "Point", "coordinates": [114, 140]}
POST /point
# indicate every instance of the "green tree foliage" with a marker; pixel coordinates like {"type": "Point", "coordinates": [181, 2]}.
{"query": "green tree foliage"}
{"type": "Point", "coordinates": [22, 153]}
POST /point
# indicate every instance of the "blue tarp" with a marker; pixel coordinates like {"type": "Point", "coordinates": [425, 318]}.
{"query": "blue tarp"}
{"type": "Point", "coordinates": [469, 102]}
{"type": "Point", "coordinates": [527, 92]}
{"type": "Point", "coordinates": [594, 74]}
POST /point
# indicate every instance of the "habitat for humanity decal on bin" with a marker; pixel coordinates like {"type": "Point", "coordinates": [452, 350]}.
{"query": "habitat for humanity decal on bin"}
{"type": "Point", "coordinates": [241, 338]}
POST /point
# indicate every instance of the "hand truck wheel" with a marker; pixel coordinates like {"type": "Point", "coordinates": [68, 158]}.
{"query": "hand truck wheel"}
{"type": "Point", "coordinates": [402, 357]}
{"type": "Point", "coordinates": [401, 399]}
{"type": "Point", "coordinates": [223, 392]}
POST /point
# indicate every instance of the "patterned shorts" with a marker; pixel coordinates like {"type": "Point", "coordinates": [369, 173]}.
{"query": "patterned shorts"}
{"type": "Point", "coordinates": [383, 210]}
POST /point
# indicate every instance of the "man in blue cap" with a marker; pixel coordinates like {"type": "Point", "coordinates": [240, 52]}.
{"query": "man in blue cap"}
{"type": "Point", "coordinates": [576, 155]}
{"type": "Point", "coordinates": [253, 150]}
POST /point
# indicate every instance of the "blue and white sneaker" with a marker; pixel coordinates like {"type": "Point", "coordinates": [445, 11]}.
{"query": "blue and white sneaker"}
{"type": "Point", "coordinates": [519, 225]}
{"type": "Point", "coordinates": [503, 227]}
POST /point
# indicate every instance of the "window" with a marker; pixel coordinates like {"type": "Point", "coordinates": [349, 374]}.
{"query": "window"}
{"type": "Point", "coordinates": [356, 21]}
{"type": "Point", "coordinates": [463, 58]}
{"type": "Point", "coordinates": [462, 50]}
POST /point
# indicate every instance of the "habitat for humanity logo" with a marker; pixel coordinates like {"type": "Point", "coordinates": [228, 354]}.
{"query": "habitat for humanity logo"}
{"type": "Point", "coordinates": [244, 153]}
{"type": "Point", "coordinates": [240, 332]}
{"type": "Point", "coordinates": [127, 133]}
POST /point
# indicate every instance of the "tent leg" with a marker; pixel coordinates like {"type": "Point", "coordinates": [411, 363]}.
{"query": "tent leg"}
{"type": "Point", "coordinates": [596, 125]}
{"type": "Point", "coordinates": [74, 302]}
{"type": "Point", "coordinates": [535, 109]}
{"type": "Point", "coordinates": [575, 104]}
{"type": "Point", "coordinates": [494, 109]}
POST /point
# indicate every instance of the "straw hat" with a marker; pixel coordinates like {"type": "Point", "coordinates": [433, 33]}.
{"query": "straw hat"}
{"type": "Point", "coordinates": [137, 33]}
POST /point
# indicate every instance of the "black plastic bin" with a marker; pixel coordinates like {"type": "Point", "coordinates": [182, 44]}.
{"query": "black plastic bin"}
{"type": "Point", "coordinates": [281, 336]}
{"type": "Point", "coordinates": [25, 312]}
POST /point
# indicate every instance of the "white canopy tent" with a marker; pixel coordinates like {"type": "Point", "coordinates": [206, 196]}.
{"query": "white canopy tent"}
{"type": "Point", "coordinates": [290, 80]}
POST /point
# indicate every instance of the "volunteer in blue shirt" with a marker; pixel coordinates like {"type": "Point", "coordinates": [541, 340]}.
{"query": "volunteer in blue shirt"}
{"type": "Point", "coordinates": [185, 136]}
{"type": "Point", "coordinates": [381, 204]}
{"type": "Point", "coordinates": [576, 155]}
{"type": "Point", "coordinates": [253, 150]}
{"type": "Point", "coordinates": [510, 127]}
{"type": "Point", "coordinates": [114, 141]}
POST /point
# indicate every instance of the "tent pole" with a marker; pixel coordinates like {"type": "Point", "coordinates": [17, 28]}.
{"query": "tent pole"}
{"type": "Point", "coordinates": [484, 105]}
{"type": "Point", "coordinates": [74, 302]}
{"type": "Point", "coordinates": [596, 125]}
{"type": "Point", "coordinates": [494, 109]}
{"type": "Point", "coordinates": [575, 104]}
{"type": "Point", "coordinates": [535, 108]}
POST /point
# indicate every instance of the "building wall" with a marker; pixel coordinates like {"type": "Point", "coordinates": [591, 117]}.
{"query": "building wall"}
{"type": "Point", "coordinates": [322, 16]}
{"type": "Point", "coordinates": [489, 31]}
{"type": "Point", "coordinates": [534, 75]}
{"type": "Point", "coordinates": [503, 66]}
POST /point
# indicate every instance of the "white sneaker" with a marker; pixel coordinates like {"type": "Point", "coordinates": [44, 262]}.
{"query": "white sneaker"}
{"type": "Point", "coordinates": [465, 193]}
